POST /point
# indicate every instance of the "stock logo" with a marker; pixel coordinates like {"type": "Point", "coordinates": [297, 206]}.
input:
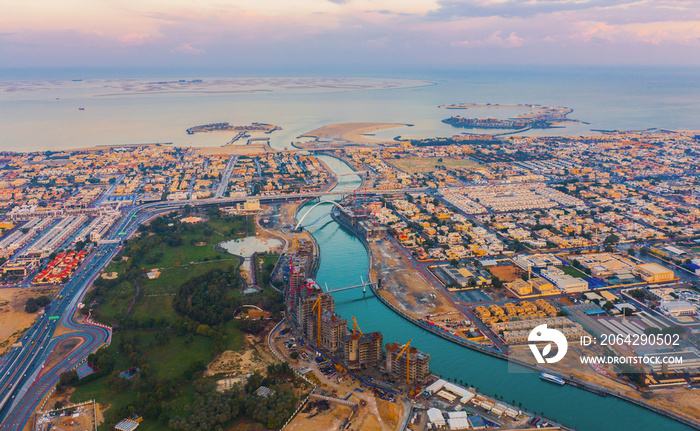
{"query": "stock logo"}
{"type": "Point", "coordinates": [541, 334]}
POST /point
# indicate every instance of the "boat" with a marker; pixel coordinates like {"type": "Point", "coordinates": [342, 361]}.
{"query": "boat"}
{"type": "Point", "coordinates": [553, 379]}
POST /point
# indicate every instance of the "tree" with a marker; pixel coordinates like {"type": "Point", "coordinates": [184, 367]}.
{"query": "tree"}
{"type": "Point", "coordinates": [43, 301]}
{"type": "Point", "coordinates": [611, 239]}
{"type": "Point", "coordinates": [69, 378]}
{"type": "Point", "coordinates": [608, 306]}
{"type": "Point", "coordinates": [31, 306]}
{"type": "Point", "coordinates": [638, 293]}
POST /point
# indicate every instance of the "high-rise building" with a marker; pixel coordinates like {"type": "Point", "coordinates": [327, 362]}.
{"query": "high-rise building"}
{"type": "Point", "coordinates": [407, 363]}
{"type": "Point", "coordinates": [363, 351]}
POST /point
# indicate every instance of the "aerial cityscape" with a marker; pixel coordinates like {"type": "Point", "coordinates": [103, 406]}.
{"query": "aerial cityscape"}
{"type": "Point", "coordinates": [350, 215]}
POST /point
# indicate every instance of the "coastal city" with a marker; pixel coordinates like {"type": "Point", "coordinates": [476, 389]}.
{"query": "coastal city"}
{"type": "Point", "coordinates": [162, 287]}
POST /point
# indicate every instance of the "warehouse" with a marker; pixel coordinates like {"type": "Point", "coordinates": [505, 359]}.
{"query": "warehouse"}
{"type": "Point", "coordinates": [654, 273]}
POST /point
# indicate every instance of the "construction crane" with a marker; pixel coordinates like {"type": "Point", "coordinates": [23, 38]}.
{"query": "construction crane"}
{"type": "Point", "coordinates": [296, 238]}
{"type": "Point", "coordinates": [406, 349]}
{"type": "Point", "coordinates": [307, 285]}
{"type": "Point", "coordinates": [356, 327]}
{"type": "Point", "coordinates": [318, 304]}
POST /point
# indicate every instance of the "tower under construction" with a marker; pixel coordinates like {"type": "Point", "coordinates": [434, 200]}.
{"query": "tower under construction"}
{"type": "Point", "coordinates": [407, 364]}
{"type": "Point", "coordinates": [363, 351]}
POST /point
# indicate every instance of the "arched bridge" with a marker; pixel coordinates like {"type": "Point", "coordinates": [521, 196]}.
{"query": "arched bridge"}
{"type": "Point", "coordinates": [315, 205]}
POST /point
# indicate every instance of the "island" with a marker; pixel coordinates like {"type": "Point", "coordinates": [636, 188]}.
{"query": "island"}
{"type": "Point", "coordinates": [543, 117]}
{"type": "Point", "coordinates": [253, 127]}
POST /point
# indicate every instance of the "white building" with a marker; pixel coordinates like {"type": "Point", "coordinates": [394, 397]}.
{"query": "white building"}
{"type": "Point", "coordinates": [435, 418]}
{"type": "Point", "coordinates": [678, 308]}
{"type": "Point", "coordinates": [564, 282]}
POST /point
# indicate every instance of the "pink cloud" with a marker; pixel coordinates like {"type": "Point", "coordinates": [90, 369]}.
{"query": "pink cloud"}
{"type": "Point", "coordinates": [494, 39]}
{"type": "Point", "coordinates": [186, 48]}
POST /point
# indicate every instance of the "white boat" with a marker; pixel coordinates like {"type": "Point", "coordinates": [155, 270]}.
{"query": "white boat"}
{"type": "Point", "coordinates": [553, 379]}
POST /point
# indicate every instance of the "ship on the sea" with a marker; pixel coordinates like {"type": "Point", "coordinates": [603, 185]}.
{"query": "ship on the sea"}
{"type": "Point", "coordinates": [553, 379]}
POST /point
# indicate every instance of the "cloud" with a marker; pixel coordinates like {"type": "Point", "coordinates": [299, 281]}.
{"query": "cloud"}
{"type": "Point", "coordinates": [494, 39]}
{"type": "Point", "coordinates": [186, 48]}
{"type": "Point", "coordinates": [134, 39]}
{"type": "Point", "coordinates": [517, 8]}
{"type": "Point", "coordinates": [339, 1]}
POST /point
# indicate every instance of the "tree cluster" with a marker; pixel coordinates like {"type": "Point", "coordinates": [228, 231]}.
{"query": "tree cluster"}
{"type": "Point", "coordinates": [33, 304]}
{"type": "Point", "coordinates": [206, 298]}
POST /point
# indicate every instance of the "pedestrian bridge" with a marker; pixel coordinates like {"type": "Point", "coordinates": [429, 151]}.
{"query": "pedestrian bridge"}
{"type": "Point", "coordinates": [314, 206]}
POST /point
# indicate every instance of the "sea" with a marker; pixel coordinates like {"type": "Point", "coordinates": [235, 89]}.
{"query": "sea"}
{"type": "Point", "coordinates": [59, 109]}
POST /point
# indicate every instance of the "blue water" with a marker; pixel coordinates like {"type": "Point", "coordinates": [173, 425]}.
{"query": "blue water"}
{"type": "Point", "coordinates": [607, 98]}
{"type": "Point", "coordinates": [344, 261]}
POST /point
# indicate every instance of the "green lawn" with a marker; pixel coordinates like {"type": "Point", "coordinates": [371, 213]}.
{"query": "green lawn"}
{"type": "Point", "coordinates": [234, 336]}
{"type": "Point", "coordinates": [99, 391]}
{"type": "Point", "coordinates": [263, 262]}
{"type": "Point", "coordinates": [233, 227]}
{"type": "Point", "coordinates": [573, 272]}
{"type": "Point", "coordinates": [155, 307]}
{"type": "Point", "coordinates": [171, 278]}
{"type": "Point", "coordinates": [182, 254]}
{"type": "Point", "coordinates": [114, 306]}
{"type": "Point", "coordinates": [171, 360]}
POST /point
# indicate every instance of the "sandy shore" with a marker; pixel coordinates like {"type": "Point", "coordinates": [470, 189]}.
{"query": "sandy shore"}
{"type": "Point", "coordinates": [352, 132]}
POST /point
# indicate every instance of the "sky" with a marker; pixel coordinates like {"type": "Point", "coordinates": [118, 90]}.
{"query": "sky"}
{"type": "Point", "coordinates": [308, 34]}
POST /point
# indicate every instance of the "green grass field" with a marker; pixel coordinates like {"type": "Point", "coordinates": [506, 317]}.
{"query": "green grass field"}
{"type": "Point", "coordinates": [155, 307]}
{"type": "Point", "coordinates": [573, 272]}
{"type": "Point", "coordinates": [171, 278]}
{"type": "Point", "coordinates": [414, 165]}
{"type": "Point", "coordinates": [170, 360]}
{"type": "Point", "coordinates": [265, 261]}
{"type": "Point", "coordinates": [114, 307]}
{"type": "Point", "coordinates": [234, 336]}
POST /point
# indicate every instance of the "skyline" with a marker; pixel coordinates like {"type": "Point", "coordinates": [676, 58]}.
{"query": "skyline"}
{"type": "Point", "coordinates": [340, 33]}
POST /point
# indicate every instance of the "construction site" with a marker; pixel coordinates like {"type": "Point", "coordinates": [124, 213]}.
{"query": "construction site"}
{"type": "Point", "coordinates": [78, 417]}
{"type": "Point", "coordinates": [311, 312]}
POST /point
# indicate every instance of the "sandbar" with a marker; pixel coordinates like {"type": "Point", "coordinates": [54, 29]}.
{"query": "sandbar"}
{"type": "Point", "coordinates": [351, 132]}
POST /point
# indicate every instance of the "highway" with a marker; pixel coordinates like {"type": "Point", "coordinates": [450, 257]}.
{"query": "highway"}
{"type": "Point", "coordinates": [223, 184]}
{"type": "Point", "coordinates": [24, 380]}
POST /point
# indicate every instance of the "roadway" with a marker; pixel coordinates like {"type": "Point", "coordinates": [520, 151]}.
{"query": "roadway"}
{"type": "Point", "coordinates": [223, 184]}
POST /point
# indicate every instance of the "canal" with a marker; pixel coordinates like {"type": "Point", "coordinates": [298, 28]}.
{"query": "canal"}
{"type": "Point", "coordinates": [344, 260]}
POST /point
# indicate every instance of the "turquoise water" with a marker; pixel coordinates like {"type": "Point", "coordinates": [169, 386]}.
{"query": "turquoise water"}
{"type": "Point", "coordinates": [607, 98]}
{"type": "Point", "coordinates": [344, 261]}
